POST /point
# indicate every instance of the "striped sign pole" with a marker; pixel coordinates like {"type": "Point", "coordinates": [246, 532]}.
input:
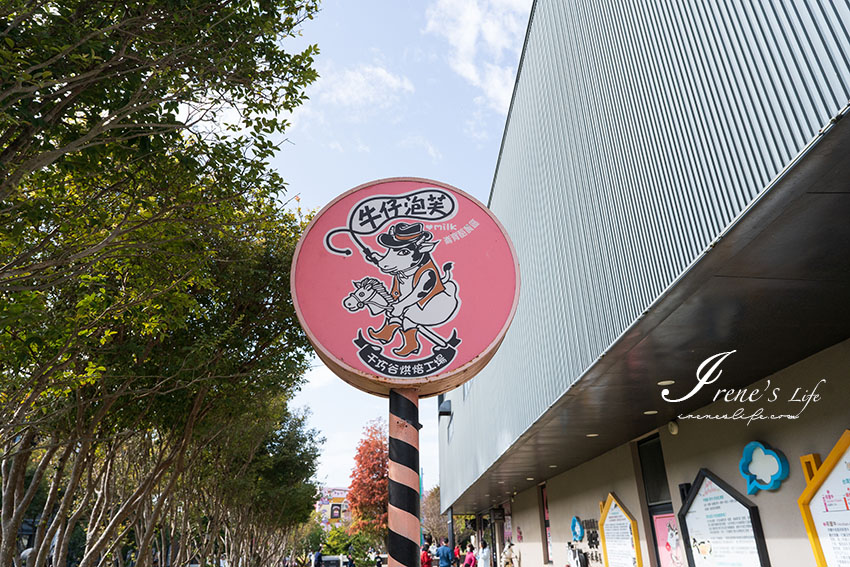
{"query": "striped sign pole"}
{"type": "Point", "coordinates": [348, 243]}
{"type": "Point", "coordinates": [403, 517]}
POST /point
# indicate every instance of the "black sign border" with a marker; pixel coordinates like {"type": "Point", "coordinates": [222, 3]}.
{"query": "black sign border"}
{"type": "Point", "coordinates": [755, 519]}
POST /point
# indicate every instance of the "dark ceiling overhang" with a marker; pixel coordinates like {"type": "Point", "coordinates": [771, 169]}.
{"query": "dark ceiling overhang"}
{"type": "Point", "coordinates": [774, 287]}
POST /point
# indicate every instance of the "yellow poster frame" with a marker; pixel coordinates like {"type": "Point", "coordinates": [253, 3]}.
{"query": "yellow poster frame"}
{"type": "Point", "coordinates": [819, 474]}
{"type": "Point", "coordinates": [605, 509]}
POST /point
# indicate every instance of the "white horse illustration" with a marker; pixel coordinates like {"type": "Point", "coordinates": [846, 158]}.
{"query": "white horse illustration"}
{"type": "Point", "coordinates": [373, 295]}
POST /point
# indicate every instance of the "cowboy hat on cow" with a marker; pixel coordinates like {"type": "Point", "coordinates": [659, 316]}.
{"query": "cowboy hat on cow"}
{"type": "Point", "coordinates": [403, 234]}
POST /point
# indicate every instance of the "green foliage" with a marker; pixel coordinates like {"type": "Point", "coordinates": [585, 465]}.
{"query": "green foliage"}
{"type": "Point", "coordinates": [40, 495]}
{"type": "Point", "coordinates": [359, 544]}
{"type": "Point", "coordinates": [77, 75]}
{"type": "Point", "coordinates": [129, 233]}
{"type": "Point", "coordinates": [307, 538]}
{"type": "Point", "coordinates": [340, 542]}
{"type": "Point", "coordinates": [134, 242]}
{"type": "Point", "coordinates": [337, 541]}
{"type": "Point", "coordinates": [315, 536]}
{"type": "Point", "coordinates": [145, 254]}
{"type": "Point", "coordinates": [276, 484]}
{"type": "Point", "coordinates": [77, 545]}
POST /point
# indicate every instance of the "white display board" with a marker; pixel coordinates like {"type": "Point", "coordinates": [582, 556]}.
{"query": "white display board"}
{"type": "Point", "coordinates": [619, 539]}
{"type": "Point", "coordinates": [720, 529]}
{"type": "Point", "coordinates": [618, 534]}
{"type": "Point", "coordinates": [830, 508]}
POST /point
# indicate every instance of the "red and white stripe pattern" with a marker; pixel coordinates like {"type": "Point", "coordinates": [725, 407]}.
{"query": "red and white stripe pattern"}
{"type": "Point", "coordinates": [403, 517]}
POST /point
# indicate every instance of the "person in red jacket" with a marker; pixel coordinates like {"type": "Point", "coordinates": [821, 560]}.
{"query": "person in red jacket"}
{"type": "Point", "coordinates": [425, 556]}
{"type": "Point", "coordinates": [470, 560]}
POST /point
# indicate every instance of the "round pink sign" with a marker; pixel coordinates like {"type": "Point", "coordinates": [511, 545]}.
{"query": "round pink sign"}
{"type": "Point", "coordinates": [405, 283]}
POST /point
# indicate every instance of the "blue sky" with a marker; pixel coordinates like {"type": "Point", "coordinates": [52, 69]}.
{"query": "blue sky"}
{"type": "Point", "coordinates": [409, 88]}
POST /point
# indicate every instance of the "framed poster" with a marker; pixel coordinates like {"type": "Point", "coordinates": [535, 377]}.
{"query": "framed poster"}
{"type": "Point", "coordinates": [668, 540]}
{"type": "Point", "coordinates": [825, 505]}
{"type": "Point", "coordinates": [721, 528]}
{"type": "Point", "coordinates": [619, 534]}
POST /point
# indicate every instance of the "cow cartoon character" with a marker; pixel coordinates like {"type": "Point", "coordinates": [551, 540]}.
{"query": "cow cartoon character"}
{"type": "Point", "coordinates": [673, 545]}
{"type": "Point", "coordinates": [421, 297]}
{"type": "Point", "coordinates": [702, 547]}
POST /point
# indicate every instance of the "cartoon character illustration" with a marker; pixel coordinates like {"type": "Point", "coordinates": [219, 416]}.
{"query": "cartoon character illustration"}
{"type": "Point", "coordinates": [702, 547]}
{"type": "Point", "coordinates": [419, 297]}
{"type": "Point", "coordinates": [673, 545]}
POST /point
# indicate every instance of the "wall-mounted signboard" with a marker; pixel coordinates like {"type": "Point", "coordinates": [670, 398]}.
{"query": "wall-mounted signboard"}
{"type": "Point", "coordinates": [763, 467]}
{"type": "Point", "coordinates": [619, 534]}
{"type": "Point", "coordinates": [577, 529]}
{"type": "Point", "coordinates": [720, 526]}
{"type": "Point", "coordinates": [825, 504]}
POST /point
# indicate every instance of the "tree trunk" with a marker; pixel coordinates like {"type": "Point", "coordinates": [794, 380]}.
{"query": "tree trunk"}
{"type": "Point", "coordinates": [13, 471]}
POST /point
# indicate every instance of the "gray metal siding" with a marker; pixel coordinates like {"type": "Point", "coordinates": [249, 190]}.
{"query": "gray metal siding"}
{"type": "Point", "coordinates": [637, 132]}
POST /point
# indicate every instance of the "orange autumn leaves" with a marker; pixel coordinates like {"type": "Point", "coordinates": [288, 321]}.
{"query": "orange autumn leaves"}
{"type": "Point", "coordinates": [368, 495]}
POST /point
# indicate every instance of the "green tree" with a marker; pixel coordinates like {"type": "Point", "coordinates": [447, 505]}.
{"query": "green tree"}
{"type": "Point", "coordinates": [341, 541]}
{"type": "Point", "coordinates": [337, 541]}
{"type": "Point", "coordinates": [144, 257]}
{"type": "Point", "coordinates": [306, 538]}
{"type": "Point", "coordinates": [262, 490]}
{"type": "Point", "coordinates": [79, 75]}
{"type": "Point", "coordinates": [359, 545]}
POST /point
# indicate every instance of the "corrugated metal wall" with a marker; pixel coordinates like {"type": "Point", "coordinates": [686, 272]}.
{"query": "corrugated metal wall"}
{"type": "Point", "coordinates": [637, 132]}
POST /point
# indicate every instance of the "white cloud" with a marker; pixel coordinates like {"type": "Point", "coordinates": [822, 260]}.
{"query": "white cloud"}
{"type": "Point", "coordinates": [362, 86]}
{"type": "Point", "coordinates": [421, 142]}
{"type": "Point", "coordinates": [319, 376]}
{"type": "Point", "coordinates": [306, 114]}
{"type": "Point", "coordinates": [356, 144]}
{"type": "Point", "coordinates": [361, 147]}
{"type": "Point", "coordinates": [476, 125]}
{"type": "Point", "coordinates": [485, 37]}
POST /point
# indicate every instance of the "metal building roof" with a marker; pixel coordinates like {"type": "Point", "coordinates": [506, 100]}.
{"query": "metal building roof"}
{"type": "Point", "coordinates": [775, 287]}
{"type": "Point", "coordinates": [639, 133]}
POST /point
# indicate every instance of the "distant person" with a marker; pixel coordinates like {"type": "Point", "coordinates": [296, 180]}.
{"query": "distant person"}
{"type": "Point", "coordinates": [317, 558]}
{"type": "Point", "coordinates": [444, 553]}
{"type": "Point", "coordinates": [484, 555]}
{"type": "Point", "coordinates": [457, 554]}
{"type": "Point", "coordinates": [470, 556]}
{"type": "Point", "coordinates": [425, 556]}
